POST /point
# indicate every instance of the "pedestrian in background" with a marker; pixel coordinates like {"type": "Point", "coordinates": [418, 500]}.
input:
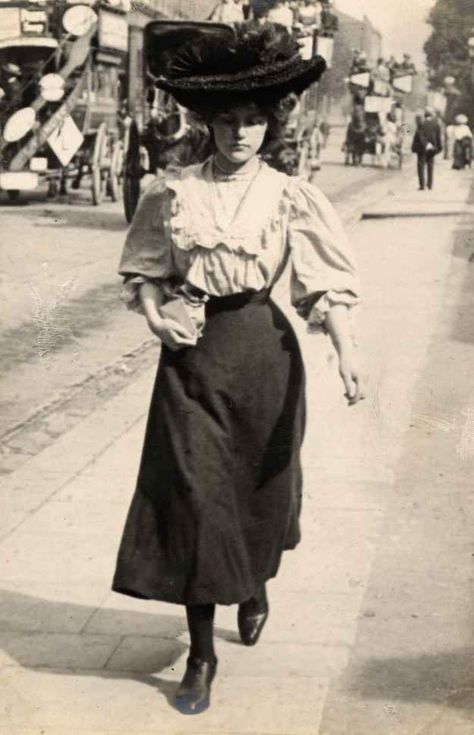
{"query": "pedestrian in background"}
{"type": "Point", "coordinates": [228, 11]}
{"type": "Point", "coordinates": [219, 489]}
{"type": "Point", "coordinates": [462, 145]}
{"type": "Point", "coordinates": [427, 144]}
{"type": "Point", "coordinates": [281, 13]}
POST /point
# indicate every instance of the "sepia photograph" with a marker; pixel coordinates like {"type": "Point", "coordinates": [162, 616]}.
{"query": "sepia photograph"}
{"type": "Point", "coordinates": [237, 367]}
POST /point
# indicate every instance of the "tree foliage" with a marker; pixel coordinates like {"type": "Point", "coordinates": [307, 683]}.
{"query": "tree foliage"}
{"type": "Point", "coordinates": [447, 50]}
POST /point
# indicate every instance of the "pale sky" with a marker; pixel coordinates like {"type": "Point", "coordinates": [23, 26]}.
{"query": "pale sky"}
{"type": "Point", "coordinates": [402, 23]}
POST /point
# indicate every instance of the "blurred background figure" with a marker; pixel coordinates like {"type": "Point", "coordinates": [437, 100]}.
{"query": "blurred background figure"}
{"type": "Point", "coordinates": [426, 144]}
{"type": "Point", "coordinates": [281, 13]}
{"type": "Point", "coordinates": [308, 16]}
{"type": "Point", "coordinates": [354, 144]}
{"type": "Point", "coordinates": [449, 141]}
{"type": "Point", "coordinates": [359, 62]}
{"type": "Point", "coordinates": [325, 129]}
{"type": "Point", "coordinates": [407, 66]}
{"type": "Point", "coordinates": [228, 11]}
{"type": "Point", "coordinates": [329, 20]}
{"type": "Point", "coordinates": [10, 81]}
{"type": "Point", "coordinates": [382, 71]}
{"type": "Point", "coordinates": [462, 140]}
{"type": "Point", "coordinates": [391, 139]}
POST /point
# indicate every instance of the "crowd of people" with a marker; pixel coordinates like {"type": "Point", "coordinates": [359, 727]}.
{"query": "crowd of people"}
{"type": "Point", "coordinates": [303, 16]}
{"type": "Point", "coordinates": [386, 69]}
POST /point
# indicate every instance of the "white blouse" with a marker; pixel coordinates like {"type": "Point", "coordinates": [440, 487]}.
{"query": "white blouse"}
{"type": "Point", "coordinates": [227, 234]}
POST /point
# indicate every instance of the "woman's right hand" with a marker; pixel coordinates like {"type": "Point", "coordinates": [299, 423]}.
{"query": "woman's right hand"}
{"type": "Point", "coordinates": [171, 333]}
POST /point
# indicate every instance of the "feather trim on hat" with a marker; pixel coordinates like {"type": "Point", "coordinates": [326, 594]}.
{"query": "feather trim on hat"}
{"type": "Point", "coordinates": [262, 59]}
{"type": "Point", "coordinates": [253, 47]}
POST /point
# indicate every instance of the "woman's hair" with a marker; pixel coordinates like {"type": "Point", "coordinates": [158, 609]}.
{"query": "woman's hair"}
{"type": "Point", "coordinates": [276, 110]}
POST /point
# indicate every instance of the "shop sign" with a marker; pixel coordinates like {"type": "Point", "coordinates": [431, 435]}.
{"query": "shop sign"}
{"type": "Point", "coordinates": [33, 22]}
{"type": "Point", "coordinates": [10, 23]}
{"type": "Point", "coordinates": [113, 31]}
{"type": "Point", "coordinates": [66, 140]}
{"type": "Point", "coordinates": [382, 105]}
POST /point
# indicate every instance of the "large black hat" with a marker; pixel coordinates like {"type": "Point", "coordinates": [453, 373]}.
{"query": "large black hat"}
{"type": "Point", "coordinates": [200, 62]}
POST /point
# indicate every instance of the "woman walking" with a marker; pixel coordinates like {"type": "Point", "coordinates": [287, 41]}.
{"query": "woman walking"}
{"type": "Point", "coordinates": [218, 495]}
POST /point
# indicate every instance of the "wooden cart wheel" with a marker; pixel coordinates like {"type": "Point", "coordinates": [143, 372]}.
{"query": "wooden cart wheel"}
{"type": "Point", "coordinates": [131, 174]}
{"type": "Point", "coordinates": [98, 182]}
{"type": "Point", "coordinates": [115, 174]}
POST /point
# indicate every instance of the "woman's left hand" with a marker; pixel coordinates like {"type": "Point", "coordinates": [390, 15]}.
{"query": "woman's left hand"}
{"type": "Point", "coordinates": [352, 377]}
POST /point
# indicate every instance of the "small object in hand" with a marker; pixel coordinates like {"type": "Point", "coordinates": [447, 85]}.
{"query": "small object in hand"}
{"type": "Point", "coordinates": [176, 310]}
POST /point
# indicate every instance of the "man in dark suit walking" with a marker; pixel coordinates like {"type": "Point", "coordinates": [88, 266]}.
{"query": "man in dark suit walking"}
{"type": "Point", "coordinates": [426, 144]}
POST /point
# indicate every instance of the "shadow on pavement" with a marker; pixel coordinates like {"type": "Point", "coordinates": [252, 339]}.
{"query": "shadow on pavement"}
{"type": "Point", "coordinates": [444, 678]}
{"type": "Point", "coordinates": [22, 614]}
{"type": "Point", "coordinates": [53, 637]}
{"type": "Point", "coordinates": [463, 249]}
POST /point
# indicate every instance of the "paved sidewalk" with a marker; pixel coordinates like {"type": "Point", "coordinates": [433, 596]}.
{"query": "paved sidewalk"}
{"type": "Point", "coordinates": [80, 660]}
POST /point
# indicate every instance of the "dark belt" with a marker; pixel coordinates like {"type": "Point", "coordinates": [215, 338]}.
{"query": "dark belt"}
{"type": "Point", "coordinates": [237, 300]}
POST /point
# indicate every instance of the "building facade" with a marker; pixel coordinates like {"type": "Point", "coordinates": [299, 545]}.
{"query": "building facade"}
{"type": "Point", "coordinates": [192, 9]}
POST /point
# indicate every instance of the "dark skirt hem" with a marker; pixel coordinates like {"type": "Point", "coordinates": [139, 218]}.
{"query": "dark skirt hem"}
{"type": "Point", "coordinates": [127, 589]}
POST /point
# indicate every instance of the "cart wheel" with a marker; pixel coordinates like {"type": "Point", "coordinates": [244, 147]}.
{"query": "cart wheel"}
{"type": "Point", "coordinates": [13, 195]}
{"type": "Point", "coordinates": [98, 182]}
{"type": "Point", "coordinates": [131, 174]}
{"type": "Point", "coordinates": [116, 166]}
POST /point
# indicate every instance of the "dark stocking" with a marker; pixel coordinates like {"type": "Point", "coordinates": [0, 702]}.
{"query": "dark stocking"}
{"type": "Point", "coordinates": [201, 624]}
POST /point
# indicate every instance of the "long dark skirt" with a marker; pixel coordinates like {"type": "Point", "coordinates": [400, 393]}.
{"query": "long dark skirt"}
{"type": "Point", "coordinates": [218, 494]}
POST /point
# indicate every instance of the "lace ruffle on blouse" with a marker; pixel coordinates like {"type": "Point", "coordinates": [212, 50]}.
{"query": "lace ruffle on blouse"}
{"type": "Point", "coordinates": [179, 232]}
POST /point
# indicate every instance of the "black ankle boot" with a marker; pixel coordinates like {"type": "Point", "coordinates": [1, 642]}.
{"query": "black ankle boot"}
{"type": "Point", "coordinates": [251, 619]}
{"type": "Point", "coordinates": [194, 692]}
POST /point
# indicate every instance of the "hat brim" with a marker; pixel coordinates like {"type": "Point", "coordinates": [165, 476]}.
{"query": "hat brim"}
{"type": "Point", "coordinates": [276, 80]}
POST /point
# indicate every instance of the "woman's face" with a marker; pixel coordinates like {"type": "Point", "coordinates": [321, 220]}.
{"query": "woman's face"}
{"type": "Point", "coordinates": [239, 132]}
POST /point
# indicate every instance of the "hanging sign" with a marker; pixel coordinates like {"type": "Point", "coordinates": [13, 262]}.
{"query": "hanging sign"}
{"type": "Point", "coordinates": [66, 140]}
{"type": "Point", "coordinates": [381, 105]}
{"type": "Point", "coordinates": [19, 124]}
{"type": "Point", "coordinates": [52, 87]}
{"type": "Point", "coordinates": [361, 80]}
{"type": "Point", "coordinates": [79, 20]}
{"type": "Point", "coordinates": [113, 31]}
{"type": "Point", "coordinates": [403, 84]}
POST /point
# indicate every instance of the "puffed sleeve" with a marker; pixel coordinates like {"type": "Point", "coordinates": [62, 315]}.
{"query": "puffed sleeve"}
{"type": "Point", "coordinates": [146, 255]}
{"type": "Point", "coordinates": [324, 271]}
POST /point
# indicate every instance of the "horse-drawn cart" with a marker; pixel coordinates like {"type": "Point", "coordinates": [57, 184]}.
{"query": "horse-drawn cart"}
{"type": "Point", "coordinates": [62, 69]}
{"type": "Point", "coordinates": [376, 126]}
